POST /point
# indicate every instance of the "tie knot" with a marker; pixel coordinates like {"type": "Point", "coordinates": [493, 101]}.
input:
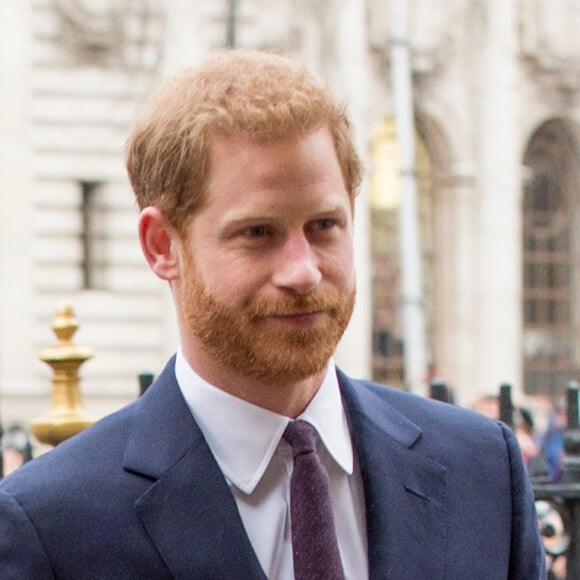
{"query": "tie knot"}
{"type": "Point", "coordinates": [301, 436]}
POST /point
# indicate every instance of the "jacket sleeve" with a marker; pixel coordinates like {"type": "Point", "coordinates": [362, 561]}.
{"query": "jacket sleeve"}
{"type": "Point", "coordinates": [527, 555]}
{"type": "Point", "coordinates": [22, 556]}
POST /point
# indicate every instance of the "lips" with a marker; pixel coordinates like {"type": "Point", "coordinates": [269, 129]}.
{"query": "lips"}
{"type": "Point", "coordinates": [298, 318]}
{"type": "Point", "coordinates": [295, 314]}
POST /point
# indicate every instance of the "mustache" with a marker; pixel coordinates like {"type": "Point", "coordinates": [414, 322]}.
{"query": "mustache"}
{"type": "Point", "coordinates": [293, 305]}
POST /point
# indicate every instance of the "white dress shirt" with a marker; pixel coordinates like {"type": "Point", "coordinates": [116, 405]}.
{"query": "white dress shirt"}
{"type": "Point", "coordinates": [246, 441]}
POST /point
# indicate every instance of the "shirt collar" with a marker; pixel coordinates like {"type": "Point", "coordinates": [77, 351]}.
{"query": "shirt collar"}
{"type": "Point", "coordinates": [224, 418]}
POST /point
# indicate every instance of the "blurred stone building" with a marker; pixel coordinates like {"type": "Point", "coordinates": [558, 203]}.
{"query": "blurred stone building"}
{"type": "Point", "coordinates": [497, 105]}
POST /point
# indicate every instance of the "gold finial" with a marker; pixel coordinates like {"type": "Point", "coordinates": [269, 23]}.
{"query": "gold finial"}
{"type": "Point", "coordinates": [67, 416]}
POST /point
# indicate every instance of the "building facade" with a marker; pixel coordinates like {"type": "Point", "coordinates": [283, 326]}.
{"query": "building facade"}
{"type": "Point", "coordinates": [496, 102]}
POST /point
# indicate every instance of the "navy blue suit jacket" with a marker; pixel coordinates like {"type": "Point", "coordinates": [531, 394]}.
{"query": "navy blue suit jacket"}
{"type": "Point", "coordinates": [140, 496]}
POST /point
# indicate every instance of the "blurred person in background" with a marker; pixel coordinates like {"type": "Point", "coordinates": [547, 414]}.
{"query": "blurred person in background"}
{"type": "Point", "coordinates": [524, 430]}
{"type": "Point", "coordinates": [553, 441]}
{"type": "Point", "coordinates": [16, 448]}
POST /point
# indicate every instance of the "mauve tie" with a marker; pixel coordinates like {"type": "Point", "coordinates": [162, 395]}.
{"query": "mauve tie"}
{"type": "Point", "coordinates": [314, 544]}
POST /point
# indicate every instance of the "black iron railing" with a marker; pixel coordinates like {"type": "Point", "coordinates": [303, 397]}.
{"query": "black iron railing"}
{"type": "Point", "coordinates": [557, 503]}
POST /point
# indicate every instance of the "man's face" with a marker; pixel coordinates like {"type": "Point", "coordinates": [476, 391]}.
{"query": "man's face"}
{"type": "Point", "coordinates": [268, 280]}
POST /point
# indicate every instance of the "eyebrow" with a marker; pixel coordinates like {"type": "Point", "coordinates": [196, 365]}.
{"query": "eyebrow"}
{"type": "Point", "coordinates": [230, 223]}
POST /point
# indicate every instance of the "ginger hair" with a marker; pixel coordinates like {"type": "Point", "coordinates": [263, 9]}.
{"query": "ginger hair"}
{"type": "Point", "coordinates": [264, 96]}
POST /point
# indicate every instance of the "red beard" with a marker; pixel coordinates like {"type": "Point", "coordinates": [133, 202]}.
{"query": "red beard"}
{"type": "Point", "coordinates": [244, 338]}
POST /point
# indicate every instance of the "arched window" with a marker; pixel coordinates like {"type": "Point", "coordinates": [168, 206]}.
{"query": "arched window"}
{"type": "Point", "coordinates": [551, 260]}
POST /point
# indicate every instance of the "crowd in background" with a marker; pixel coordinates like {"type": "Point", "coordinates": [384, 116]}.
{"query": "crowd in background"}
{"type": "Point", "coordinates": [539, 429]}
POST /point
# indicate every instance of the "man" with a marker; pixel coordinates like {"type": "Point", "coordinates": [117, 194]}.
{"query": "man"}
{"type": "Point", "coordinates": [245, 173]}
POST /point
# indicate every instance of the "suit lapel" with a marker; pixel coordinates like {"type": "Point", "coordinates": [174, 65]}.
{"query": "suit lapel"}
{"type": "Point", "coordinates": [189, 511]}
{"type": "Point", "coordinates": [191, 515]}
{"type": "Point", "coordinates": [405, 492]}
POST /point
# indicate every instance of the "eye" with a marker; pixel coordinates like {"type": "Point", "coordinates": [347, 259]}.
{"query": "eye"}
{"type": "Point", "coordinates": [323, 224]}
{"type": "Point", "coordinates": [257, 231]}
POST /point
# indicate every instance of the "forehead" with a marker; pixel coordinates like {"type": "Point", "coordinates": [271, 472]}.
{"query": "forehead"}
{"type": "Point", "coordinates": [268, 161]}
{"type": "Point", "coordinates": [300, 169]}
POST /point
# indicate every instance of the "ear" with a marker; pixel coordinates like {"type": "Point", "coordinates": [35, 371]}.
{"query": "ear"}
{"type": "Point", "coordinates": [159, 243]}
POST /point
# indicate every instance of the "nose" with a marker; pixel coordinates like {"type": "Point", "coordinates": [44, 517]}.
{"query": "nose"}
{"type": "Point", "coordinates": [297, 266]}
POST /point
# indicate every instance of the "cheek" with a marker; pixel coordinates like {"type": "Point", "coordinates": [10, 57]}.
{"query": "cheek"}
{"type": "Point", "coordinates": [234, 282]}
{"type": "Point", "coordinates": [339, 266]}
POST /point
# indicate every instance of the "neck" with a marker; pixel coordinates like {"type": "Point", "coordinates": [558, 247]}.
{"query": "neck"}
{"type": "Point", "coordinates": [285, 398]}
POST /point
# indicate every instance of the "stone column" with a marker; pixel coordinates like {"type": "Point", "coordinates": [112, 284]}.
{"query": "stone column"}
{"type": "Point", "coordinates": [498, 288]}
{"type": "Point", "coordinates": [17, 348]}
{"type": "Point", "coordinates": [457, 314]}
